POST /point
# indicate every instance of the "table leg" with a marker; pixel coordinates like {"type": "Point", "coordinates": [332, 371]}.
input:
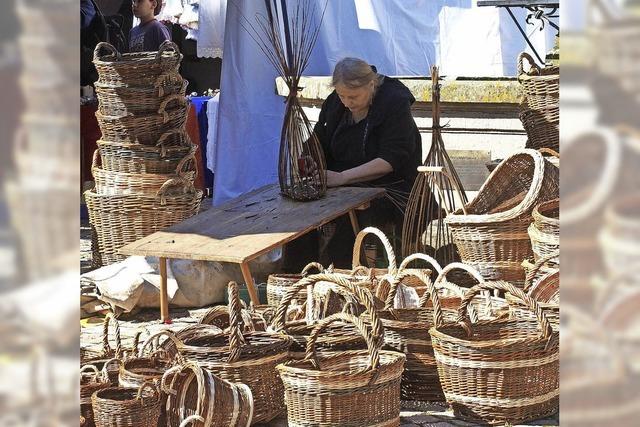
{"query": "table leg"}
{"type": "Point", "coordinates": [164, 298]}
{"type": "Point", "coordinates": [248, 280]}
{"type": "Point", "coordinates": [354, 222]}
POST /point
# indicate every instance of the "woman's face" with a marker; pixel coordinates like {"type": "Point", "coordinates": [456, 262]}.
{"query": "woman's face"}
{"type": "Point", "coordinates": [355, 99]}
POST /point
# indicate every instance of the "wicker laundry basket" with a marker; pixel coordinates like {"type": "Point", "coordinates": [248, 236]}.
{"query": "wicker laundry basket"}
{"type": "Point", "coordinates": [199, 398]}
{"type": "Point", "coordinates": [248, 358]}
{"type": "Point", "coordinates": [171, 148]}
{"type": "Point", "coordinates": [492, 236]}
{"type": "Point", "coordinates": [127, 407]}
{"type": "Point", "coordinates": [135, 69]}
{"type": "Point", "coordinates": [348, 388]}
{"type": "Point", "coordinates": [123, 100]}
{"type": "Point", "coordinates": [500, 371]}
{"type": "Point", "coordinates": [145, 128]}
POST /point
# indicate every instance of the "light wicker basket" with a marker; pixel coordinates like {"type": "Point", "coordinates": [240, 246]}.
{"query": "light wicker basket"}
{"type": "Point", "coordinates": [500, 371]}
{"type": "Point", "coordinates": [349, 388]}
{"type": "Point", "coordinates": [541, 86]}
{"type": "Point", "coordinates": [493, 237]}
{"type": "Point", "coordinates": [127, 407]}
{"type": "Point", "coordinates": [120, 220]}
{"type": "Point", "coordinates": [123, 100]}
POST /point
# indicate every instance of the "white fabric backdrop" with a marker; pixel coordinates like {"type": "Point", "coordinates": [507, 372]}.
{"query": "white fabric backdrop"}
{"type": "Point", "coordinates": [401, 37]}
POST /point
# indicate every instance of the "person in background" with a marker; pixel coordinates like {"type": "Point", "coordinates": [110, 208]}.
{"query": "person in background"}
{"type": "Point", "coordinates": [149, 34]}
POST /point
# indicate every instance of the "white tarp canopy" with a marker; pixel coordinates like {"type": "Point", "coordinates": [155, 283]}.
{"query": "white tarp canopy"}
{"type": "Point", "coordinates": [400, 37]}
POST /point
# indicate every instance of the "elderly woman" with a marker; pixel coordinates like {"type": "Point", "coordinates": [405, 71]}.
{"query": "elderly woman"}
{"type": "Point", "coordinates": [369, 138]}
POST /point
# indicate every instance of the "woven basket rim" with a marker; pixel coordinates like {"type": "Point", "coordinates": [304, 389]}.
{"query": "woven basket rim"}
{"type": "Point", "coordinates": [458, 217]}
{"type": "Point", "coordinates": [544, 207]}
{"type": "Point", "coordinates": [392, 358]}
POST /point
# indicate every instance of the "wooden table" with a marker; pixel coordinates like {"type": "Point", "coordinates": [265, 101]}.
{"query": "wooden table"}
{"type": "Point", "coordinates": [245, 228]}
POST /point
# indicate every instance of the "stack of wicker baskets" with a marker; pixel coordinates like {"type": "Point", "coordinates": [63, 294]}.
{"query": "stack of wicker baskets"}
{"type": "Point", "coordinates": [42, 195]}
{"type": "Point", "coordinates": [144, 167]}
{"type": "Point", "coordinates": [540, 109]}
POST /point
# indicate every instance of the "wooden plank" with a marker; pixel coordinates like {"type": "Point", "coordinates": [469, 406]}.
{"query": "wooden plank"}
{"type": "Point", "coordinates": [250, 225]}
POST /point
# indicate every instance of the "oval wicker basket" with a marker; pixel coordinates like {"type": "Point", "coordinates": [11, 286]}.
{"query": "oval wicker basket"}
{"type": "Point", "coordinates": [137, 69]}
{"type": "Point", "coordinates": [164, 157]}
{"type": "Point", "coordinates": [493, 237]}
{"type": "Point", "coordinates": [355, 387]}
{"type": "Point", "coordinates": [249, 358]}
{"type": "Point", "coordinates": [144, 129]}
{"type": "Point", "coordinates": [123, 100]}
{"type": "Point", "coordinates": [199, 397]}
{"type": "Point", "coordinates": [119, 220]}
{"type": "Point", "coordinates": [138, 184]}
{"type": "Point", "coordinates": [499, 371]}
{"type": "Point", "coordinates": [540, 85]}
{"type": "Point", "coordinates": [127, 407]}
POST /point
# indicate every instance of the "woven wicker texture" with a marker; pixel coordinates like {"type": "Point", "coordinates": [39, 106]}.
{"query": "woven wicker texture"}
{"type": "Point", "coordinates": [493, 237]}
{"type": "Point", "coordinates": [199, 398]}
{"type": "Point", "coordinates": [119, 220]}
{"type": "Point", "coordinates": [544, 232]}
{"type": "Point", "coordinates": [164, 157]}
{"type": "Point", "coordinates": [138, 184]}
{"type": "Point", "coordinates": [249, 358]}
{"type": "Point", "coordinates": [542, 126]}
{"type": "Point", "coordinates": [406, 330]}
{"type": "Point", "coordinates": [351, 388]}
{"type": "Point", "coordinates": [127, 407]}
{"type": "Point", "coordinates": [135, 69]}
{"type": "Point", "coordinates": [101, 356]}
{"type": "Point", "coordinates": [277, 284]}
{"type": "Point", "coordinates": [340, 336]}
{"type": "Point", "coordinates": [145, 128]}
{"type": "Point", "coordinates": [541, 85]}
{"type": "Point", "coordinates": [123, 100]}
{"type": "Point", "coordinates": [498, 371]}
{"type": "Point", "coordinates": [91, 380]}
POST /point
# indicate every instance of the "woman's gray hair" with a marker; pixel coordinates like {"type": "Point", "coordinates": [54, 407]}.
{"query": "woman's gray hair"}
{"type": "Point", "coordinates": [354, 73]}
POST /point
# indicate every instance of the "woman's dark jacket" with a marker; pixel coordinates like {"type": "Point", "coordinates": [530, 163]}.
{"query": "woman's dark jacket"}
{"type": "Point", "coordinates": [389, 132]}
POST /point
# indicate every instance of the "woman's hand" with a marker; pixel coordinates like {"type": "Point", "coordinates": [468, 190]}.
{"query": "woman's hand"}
{"type": "Point", "coordinates": [335, 179]}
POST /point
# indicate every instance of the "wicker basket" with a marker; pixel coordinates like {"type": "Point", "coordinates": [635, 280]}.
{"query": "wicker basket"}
{"type": "Point", "coordinates": [199, 397]}
{"type": "Point", "coordinates": [493, 237]}
{"type": "Point", "coordinates": [91, 380]}
{"type": "Point", "coordinates": [119, 220]}
{"type": "Point", "coordinates": [144, 129]}
{"type": "Point", "coordinates": [277, 284]}
{"type": "Point", "coordinates": [123, 100]}
{"type": "Point", "coordinates": [542, 125]}
{"type": "Point", "coordinates": [350, 388]}
{"type": "Point", "coordinates": [544, 232]}
{"type": "Point", "coordinates": [498, 371]}
{"type": "Point", "coordinates": [341, 337]}
{"type": "Point", "coordinates": [127, 407]}
{"type": "Point", "coordinates": [164, 157]}
{"type": "Point", "coordinates": [243, 358]}
{"type": "Point", "coordinates": [138, 184]}
{"type": "Point", "coordinates": [136, 69]}
{"type": "Point", "coordinates": [541, 86]}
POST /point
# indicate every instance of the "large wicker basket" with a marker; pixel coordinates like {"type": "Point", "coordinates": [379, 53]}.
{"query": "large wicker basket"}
{"type": "Point", "coordinates": [164, 157]}
{"type": "Point", "coordinates": [492, 236]}
{"type": "Point", "coordinates": [541, 86]}
{"type": "Point", "coordinates": [135, 69]}
{"type": "Point", "coordinates": [138, 184]}
{"type": "Point", "coordinates": [120, 220]}
{"type": "Point", "coordinates": [501, 371]}
{"type": "Point", "coordinates": [349, 388]}
{"type": "Point", "coordinates": [144, 128]}
{"type": "Point", "coordinates": [541, 124]}
{"type": "Point", "coordinates": [123, 100]}
{"type": "Point", "coordinates": [127, 407]}
{"type": "Point", "coordinates": [197, 396]}
{"type": "Point", "coordinates": [278, 284]}
{"type": "Point", "coordinates": [249, 358]}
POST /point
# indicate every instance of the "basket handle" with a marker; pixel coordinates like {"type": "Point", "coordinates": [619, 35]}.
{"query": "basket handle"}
{"type": "Point", "coordinates": [153, 338]}
{"type": "Point", "coordinates": [181, 167]}
{"type": "Point", "coordinates": [362, 294]}
{"type": "Point", "coordinates": [96, 160]}
{"type": "Point", "coordinates": [547, 289]}
{"type": "Point", "coordinates": [182, 101]}
{"type": "Point", "coordinates": [549, 151]}
{"type": "Point", "coordinates": [316, 265]}
{"type": "Point", "coordinates": [106, 347]}
{"type": "Point", "coordinates": [167, 46]}
{"type": "Point", "coordinates": [162, 78]}
{"type": "Point", "coordinates": [528, 281]}
{"type": "Point", "coordinates": [385, 242]}
{"type": "Point", "coordinates": [147, 385]}
{"type": "Point", "coordinates": [545, 326]}
{"type": "Point", "coordinates": [174, 182]}
{"type": "Point", "coordinates": [167, 134]}
{"type": "Point", "coordinates": [373, 338]}
{"type": "Point", "coordinates": [191, 419]}
{"type": "Point", "coordinates": [108, 47]}
{"type": "Point", "coordinates": [236, 339]}
{"type": "Point", "coordinates": [534, 69]}
{"type": "Point", "coordinates": [95, 372]}
{"type": "Point", "coordinates": [417, 256]}
{"type": "Point", "coordinates": [442, 282]}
